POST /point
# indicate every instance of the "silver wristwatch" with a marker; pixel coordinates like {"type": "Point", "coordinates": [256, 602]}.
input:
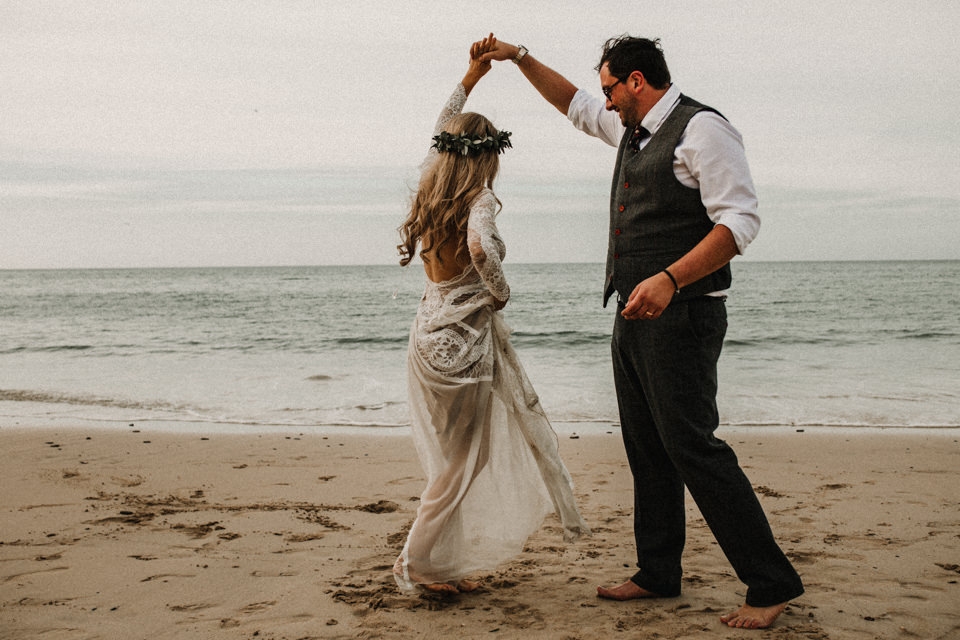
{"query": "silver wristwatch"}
{"type": "Point", "coordinates": [521, 51]}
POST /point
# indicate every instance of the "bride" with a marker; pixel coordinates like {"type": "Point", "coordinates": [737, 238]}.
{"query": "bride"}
{"type": "Point", "coordinates": [489, 453]}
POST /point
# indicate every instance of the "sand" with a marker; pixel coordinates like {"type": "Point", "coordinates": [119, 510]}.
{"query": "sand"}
{"type": "Point", "coordinates": [138, 533]}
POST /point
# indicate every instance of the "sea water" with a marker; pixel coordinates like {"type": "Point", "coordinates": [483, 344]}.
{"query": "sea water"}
{"type": "Point", "coordinates": [818, 344]}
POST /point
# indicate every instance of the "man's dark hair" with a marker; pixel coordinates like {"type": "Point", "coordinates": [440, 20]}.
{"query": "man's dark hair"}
{"type": "Point", "coordinates": [625, 54]}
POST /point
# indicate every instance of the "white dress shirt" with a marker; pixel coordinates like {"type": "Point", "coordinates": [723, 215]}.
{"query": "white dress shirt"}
{"type": "Point", "coordinates": [710, 157]}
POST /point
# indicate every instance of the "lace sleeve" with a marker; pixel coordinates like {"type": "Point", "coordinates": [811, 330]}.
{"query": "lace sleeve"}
{"type": "Point", "coordinates": [487, 249]}
{"type": "Point", "coordinates": [453, 107]}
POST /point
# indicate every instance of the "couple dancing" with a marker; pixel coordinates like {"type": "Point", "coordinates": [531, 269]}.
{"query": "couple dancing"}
{"type": "Point", "coordinates": [682, 205]}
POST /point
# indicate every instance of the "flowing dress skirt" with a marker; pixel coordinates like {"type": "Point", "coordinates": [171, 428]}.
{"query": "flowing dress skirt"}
{"type": "Point", "coordinates": [490, 455]}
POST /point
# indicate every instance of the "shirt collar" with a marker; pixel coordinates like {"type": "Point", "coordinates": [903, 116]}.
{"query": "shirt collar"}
{"type": "Point", "coordinates": [664, 107]}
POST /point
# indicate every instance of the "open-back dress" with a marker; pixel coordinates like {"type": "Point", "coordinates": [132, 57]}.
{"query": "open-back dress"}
{"type": "Point", "coordinates": [489, 453]}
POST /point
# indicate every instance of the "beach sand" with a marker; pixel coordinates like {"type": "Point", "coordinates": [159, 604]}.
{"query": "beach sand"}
{"type": "Point", "coordinates": [139, 533]}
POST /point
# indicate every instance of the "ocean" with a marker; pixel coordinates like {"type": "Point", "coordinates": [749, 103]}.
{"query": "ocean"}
{"type": "Point", "coordinates": [810, 344]}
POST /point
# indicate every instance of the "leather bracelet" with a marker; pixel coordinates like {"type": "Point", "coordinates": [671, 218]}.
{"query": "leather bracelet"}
{"type": "Point", "coordinates": [676, 287]}
{"type": "Point", "coordinates": [521, 52]}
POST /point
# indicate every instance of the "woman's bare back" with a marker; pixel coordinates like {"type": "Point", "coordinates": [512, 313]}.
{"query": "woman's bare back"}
{"type": "Point", "coordinates": [445, 268]}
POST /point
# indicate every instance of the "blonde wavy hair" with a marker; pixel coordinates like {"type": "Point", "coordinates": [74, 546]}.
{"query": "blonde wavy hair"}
{"type": "Point", "coordinates": [441, 206]}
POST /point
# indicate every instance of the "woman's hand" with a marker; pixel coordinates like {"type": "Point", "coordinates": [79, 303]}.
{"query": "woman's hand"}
{"type": "Point", "coordinates": [477, 68]}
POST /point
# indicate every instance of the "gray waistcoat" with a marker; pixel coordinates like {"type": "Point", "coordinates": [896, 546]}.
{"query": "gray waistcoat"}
{"type": "Point", "coordinates": [654, 219]}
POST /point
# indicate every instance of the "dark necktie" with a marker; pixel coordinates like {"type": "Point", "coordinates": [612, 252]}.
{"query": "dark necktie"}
{"type": "Point", "coordinates": [639, 135]}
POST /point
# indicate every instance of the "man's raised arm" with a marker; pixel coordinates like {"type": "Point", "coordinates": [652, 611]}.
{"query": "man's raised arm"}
{"type": "Point", "coordinates": [555, 89]}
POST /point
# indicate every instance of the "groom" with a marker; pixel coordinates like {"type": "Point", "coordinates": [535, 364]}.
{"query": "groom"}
{"type": "Point", "coordinates": [682, 205]}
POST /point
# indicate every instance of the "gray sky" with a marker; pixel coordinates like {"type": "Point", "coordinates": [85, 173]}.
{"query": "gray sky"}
{"type": "Point", "coordinates": [232, 133]}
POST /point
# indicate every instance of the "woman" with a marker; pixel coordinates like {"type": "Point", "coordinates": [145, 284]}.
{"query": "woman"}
{"type": "Point", "coordinates": [490, 455]}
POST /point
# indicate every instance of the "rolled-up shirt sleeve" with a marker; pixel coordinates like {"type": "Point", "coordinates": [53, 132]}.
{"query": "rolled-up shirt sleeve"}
{"type": "Point", "coordinates": [712, 151]}
{"type": "Point", "coordinates": [588, 114]}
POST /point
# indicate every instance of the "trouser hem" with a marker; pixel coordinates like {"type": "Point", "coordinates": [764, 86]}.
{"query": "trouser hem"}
{"type": "Point", "coordinates": [771, 598]}
{"type": "Point", "coordinates": [660, 590]}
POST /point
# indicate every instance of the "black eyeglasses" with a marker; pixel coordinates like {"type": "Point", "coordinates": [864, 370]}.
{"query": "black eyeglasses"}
{"type": "Point", "coordinates": [608, 90]}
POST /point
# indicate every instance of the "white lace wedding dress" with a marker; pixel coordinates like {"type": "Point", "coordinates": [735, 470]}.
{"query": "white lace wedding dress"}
{"type": "Point", "coordinates": [489, 453]}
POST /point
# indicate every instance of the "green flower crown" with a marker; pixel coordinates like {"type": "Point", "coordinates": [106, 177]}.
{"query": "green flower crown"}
{"type": "Point", "coordinates": [464, 144]}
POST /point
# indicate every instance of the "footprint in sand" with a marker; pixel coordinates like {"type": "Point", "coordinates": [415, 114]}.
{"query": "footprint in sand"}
{"type": "Point", "coordinates": [31, 573]}
{"type": "Point", "coordinates": [190, 607]}
{"type": "Point", "coordinates": [257, 606]}
{"type": "Point", "coordinates": [833, 487]}
{"type": "Point", "coordinates": [303, 537]}
{"type": "Point", "coordinates": [165, 576]}
{"type": "Point", "coordinates": [129, 481]}
{"type": "Point", "coordinates": [274, 574]}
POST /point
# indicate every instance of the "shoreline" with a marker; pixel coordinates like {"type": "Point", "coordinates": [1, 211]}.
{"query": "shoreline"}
{"type": "Point", "coordinates": [281, 535]}
{"type": "Point", "coordinates": [561, 427]}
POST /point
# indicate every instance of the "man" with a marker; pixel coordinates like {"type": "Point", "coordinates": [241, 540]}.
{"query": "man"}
{"type": "Point", "coordinates": [682, 205]}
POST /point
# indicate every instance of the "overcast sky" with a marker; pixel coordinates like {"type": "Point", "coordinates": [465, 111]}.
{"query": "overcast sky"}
{"type": "Point", "coordinates": [230, 133]}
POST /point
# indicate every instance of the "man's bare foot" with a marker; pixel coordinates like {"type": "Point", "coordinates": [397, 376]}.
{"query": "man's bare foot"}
{"type": "Point", "coordinates": [747, 617]}
{"type": "Point", "coordinates": [626, 591]}
{"type": "Point", "coordinates": [466, 586]}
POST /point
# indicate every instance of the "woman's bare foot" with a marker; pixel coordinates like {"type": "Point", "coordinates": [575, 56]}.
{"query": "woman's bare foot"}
{"type": "Point", "coordinates": [444, 588]}
{"type": "Point", "coordinates": [466, 586]}
{"type": "Point", "coordinates": [626, 591]}
{"type": "Point", "coordinates": [747, 617]}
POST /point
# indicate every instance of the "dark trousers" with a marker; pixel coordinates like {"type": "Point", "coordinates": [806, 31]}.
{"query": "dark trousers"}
{"type": "Point", "coordinates": [666, 377]}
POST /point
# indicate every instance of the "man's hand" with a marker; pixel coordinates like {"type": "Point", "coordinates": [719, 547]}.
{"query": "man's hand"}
{"type": "Point", "coordinates": [481, 48]}
{"type": "Point", "coordinates": [497, 50]}
{"type": "Point", "coordinates": [649, 298]}
{"type": "Point", "coordinates": [555, 89]}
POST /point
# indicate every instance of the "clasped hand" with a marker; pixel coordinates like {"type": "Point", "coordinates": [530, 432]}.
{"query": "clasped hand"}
{"type": "Point", "coordinates": [478, 67]}
{"type": "Point", "coordinates": [477, 49]}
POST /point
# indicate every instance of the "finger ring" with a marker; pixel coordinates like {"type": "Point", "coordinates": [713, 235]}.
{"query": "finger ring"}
{"type": "Point", "coordinates": [649, 313]}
